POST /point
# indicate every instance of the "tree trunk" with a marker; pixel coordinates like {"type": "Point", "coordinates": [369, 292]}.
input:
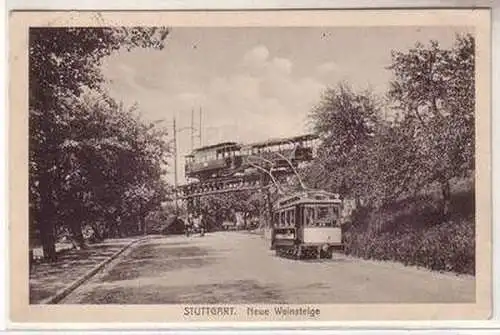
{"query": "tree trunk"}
{"type": "Point", "coordinates": [269, 213]}
{"type": "Point", "coordinates": [76, 232]}
{"type": "Point", "coordinates": [48, 238]}
{"type": "Point", "coordinates": [446, 201]}
{"type": "Point", "coordinates": [143, 224]}
{"type": "Point", "coordinates": [357, 202]}
{"type": "Point", "coordinates": [97, 232]}
{"type": "Point", "coordinates": [46, 219]}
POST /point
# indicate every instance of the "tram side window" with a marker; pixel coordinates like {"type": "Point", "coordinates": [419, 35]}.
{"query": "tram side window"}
{"type": "Point", "coordinates": [276, 218]}
{"type": "Point", "coordinates": [308, 216]}
{"type": "Point", "coordinates": [292, 217]}
{"type": "Point", "coordinates": [335, 216]}
{"type": "Point", "coordinates": [282, 219]}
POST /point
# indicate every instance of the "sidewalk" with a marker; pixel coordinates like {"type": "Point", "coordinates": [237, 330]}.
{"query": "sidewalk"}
{"type": "Point", "coordinates": [46, 279]}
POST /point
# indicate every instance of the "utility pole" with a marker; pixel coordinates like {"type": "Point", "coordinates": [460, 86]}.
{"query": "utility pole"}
{"type": "Point", "coordinates": [200, 129]}
{"type": "Point", "coordinates": [175, 169]}
{"type": "Point", "coordinates": [192, 129]}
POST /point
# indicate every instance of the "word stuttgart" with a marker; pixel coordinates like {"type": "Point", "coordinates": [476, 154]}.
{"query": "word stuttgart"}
{"type": "Point", "coordinates": [209, 311]}
{"type": "Point", "coordinates": [285, 311]}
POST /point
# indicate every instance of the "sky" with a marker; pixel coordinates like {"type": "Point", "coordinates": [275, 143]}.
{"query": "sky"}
{"type": "Point", "coordinates": [253, 84]}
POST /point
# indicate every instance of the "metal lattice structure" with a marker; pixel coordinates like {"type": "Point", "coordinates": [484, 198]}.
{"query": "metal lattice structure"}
{"type": "Point", "coordinates": [261, 168]}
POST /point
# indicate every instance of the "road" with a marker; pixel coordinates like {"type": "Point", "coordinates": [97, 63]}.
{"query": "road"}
{"type": "Point", "coordinates": [237, 267]}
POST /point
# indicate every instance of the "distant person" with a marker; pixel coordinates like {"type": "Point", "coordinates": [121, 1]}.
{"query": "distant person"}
{"type": "Point", "coordinates": [188, 224]}
{"type": "Point", "coordinates": [201, 222]}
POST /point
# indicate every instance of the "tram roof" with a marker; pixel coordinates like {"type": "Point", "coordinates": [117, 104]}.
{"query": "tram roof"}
{"type": "Point", "coordinates": [277, 141]}
{"type": "Point", "coordinates": [217, 146]}
{"type": "Point", "coordinates": [308, 196]}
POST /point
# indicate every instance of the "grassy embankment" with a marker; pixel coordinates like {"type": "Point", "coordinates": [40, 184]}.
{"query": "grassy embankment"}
{"type": "Point", "coordinates": [413, 232]}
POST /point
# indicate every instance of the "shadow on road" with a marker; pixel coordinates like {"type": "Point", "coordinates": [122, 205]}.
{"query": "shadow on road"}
{"type": "Point", "coordinates": [240, 291]}
{"type": "Point", "coordinates": [48, 278]}
{"type": "Point", "coordinates": [155, 259]}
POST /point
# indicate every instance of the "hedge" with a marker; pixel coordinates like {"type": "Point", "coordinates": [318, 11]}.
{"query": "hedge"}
{"type": "Point", "coordinates": [413, 234]}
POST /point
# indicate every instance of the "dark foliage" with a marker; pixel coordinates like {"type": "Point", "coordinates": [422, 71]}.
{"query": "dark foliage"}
{"type": "Point", "coordinates": [387, 153]}
{"type": "Point", "coordinates": [90, 160]}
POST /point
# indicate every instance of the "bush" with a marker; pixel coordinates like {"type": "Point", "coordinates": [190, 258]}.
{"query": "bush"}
{"type": "Point", "coordinates": [411, 232]}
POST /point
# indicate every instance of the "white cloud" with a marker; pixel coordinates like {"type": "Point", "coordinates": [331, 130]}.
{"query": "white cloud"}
{"type": "Point", "coordinates": [189, 96]}
{"type": "Point", "coordinates": [256, 56]}
{"type": "Point", "coordinates": [282, 64]}
{"type": "Point", "coordinates": [327, 68]}
{"type": "Point", "coordinates": [260, 104]}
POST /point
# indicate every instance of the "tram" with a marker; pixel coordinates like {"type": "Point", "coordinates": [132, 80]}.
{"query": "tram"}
{"type": "Point", "coordinates": [213, 161]}
{"type": "Point", "coordinates": [281, 152]}
{"type": "Point", "coordinates": [307, 224]}
{"type": "Point", "coordinates": [229, 158]}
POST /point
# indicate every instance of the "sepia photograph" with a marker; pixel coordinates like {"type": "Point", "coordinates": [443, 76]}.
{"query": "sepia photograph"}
{"type": "Point", "coordinates": [259, 171]}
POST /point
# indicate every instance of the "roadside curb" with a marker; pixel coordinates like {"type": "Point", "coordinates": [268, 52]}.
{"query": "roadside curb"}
{"type": "Point", "coordinates": [74, 285]}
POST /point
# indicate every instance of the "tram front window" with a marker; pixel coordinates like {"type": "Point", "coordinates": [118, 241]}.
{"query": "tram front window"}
{"type": "Point", "coordinates": [321, 216]}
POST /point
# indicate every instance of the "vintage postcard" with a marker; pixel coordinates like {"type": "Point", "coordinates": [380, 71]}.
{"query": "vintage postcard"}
{"type": "Point", "coordinates": [260, 166]}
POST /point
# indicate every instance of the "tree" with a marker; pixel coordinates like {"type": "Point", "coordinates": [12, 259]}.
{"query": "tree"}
{"type": "Point", "coordinates": [62, 63]}
{"type": "Point", "coordinates": [434, 89]}
{"type": "Point", "coordinates": [220, 207]}
{"type": "Point", "coordinates": [346, 122]}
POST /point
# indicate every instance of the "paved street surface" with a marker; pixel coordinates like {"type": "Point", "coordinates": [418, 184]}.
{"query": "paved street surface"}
{"type": "Point", "coordinates": [237, 267]}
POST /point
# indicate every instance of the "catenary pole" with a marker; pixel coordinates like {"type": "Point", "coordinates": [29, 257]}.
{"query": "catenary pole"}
{"type": "Point", "coordinates": [175, 167]}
